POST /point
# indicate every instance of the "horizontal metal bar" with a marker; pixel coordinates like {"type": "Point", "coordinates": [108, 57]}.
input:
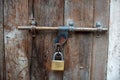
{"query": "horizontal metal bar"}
{"type": "Point", "coordinates": [80, 29]}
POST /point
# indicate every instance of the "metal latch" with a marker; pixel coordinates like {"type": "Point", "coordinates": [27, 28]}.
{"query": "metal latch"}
{"type": "Point", "coordinates": [69, 27]}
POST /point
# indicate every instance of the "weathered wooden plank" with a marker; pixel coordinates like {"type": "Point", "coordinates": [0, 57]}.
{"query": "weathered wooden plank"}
{"type": "Point", "coordinates": [16, 42]}
{"type": "Point", "coordinates": [100, 44]}
{"type": "Point", "coordinates": [2, 66]}
{"type": "Point", "coordinates": [47, 13]}
{"type": "Point", "coordinates": [79, 45]}
{"type": "Point", "coordinates": [113, 69]}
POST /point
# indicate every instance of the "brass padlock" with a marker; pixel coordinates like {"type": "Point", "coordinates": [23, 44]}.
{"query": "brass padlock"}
{"type": "Point", "coordinates": [57, 65]}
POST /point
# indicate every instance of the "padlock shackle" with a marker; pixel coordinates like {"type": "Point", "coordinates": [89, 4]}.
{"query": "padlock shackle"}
{"type": "Point", "coordinates": [54, 55]}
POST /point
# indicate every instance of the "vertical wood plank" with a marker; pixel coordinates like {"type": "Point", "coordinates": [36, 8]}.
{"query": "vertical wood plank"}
{"type": "Point", "coordinates": [100, 44]}
{"type": "Point", "coordinates": [16, 42]}
{"type": "Point", "coordinates": [79, 45]}
{"type": "Point", "coordinates": [113, 69]}
{"type": "Point", "coordinates": [1, 43]}
{"type": "Point", "coordinates": [47, 13]}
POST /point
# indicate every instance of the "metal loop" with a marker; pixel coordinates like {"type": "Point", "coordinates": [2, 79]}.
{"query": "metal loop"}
{"type": "Point", "coordinates": [58, 47]}
{"type": "Point", "coordinates": [54, 55]}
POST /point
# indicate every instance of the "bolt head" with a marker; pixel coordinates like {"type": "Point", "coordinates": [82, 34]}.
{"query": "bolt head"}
{"type": "Point", "coordinates": [70, 22]}
{"type": "Point", "coordinates": [98, 24]}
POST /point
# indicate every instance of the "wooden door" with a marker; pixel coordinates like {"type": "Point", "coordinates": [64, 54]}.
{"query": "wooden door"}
{"type": "Point", "coordinates": [28, 58]}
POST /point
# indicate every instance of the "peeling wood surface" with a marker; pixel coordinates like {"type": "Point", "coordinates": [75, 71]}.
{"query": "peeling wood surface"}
{"type": "Point", "coordinates": [79, 46]}
{"type": "Point", "coordinates": [113, 70]}
{"type": "Point", "coordinates": [2, 69]}
{"type": "Point", "coordinates": [16, 42]}
{"type": "Point", "coordinates": [47, 13]}
{"type": "Point", "coordinates": [100, 44]}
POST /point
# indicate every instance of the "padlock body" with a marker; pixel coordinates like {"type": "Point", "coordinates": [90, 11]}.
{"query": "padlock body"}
{"type": "Point", "coordinates": [57, 65]}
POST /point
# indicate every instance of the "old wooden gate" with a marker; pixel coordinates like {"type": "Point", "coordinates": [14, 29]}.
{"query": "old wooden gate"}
{"type": "Point", "coordinates": [25, 58]}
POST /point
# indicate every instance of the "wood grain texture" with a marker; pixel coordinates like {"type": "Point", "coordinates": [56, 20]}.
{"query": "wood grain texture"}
{"type": "Point", "coordinates": [79, 45]}
{"type": "Point", "coordinates": [113, 69]}
{"type": "Point", "coordinates": [29, 58]}
{"type": "Point", "coordinates": [47, 13]}
{"type": "Point", "coordinates": [2, 69]}
{"type": "Point", "coordinates": [16, 42]}
{"type": "Point", "coordinates": [100, 44]}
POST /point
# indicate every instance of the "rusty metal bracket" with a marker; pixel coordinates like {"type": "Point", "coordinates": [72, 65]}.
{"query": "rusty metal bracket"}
{"type": "Point", "coordinates": [33, 28]}
{"type": "Point", "coordinates": [99, 26]}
